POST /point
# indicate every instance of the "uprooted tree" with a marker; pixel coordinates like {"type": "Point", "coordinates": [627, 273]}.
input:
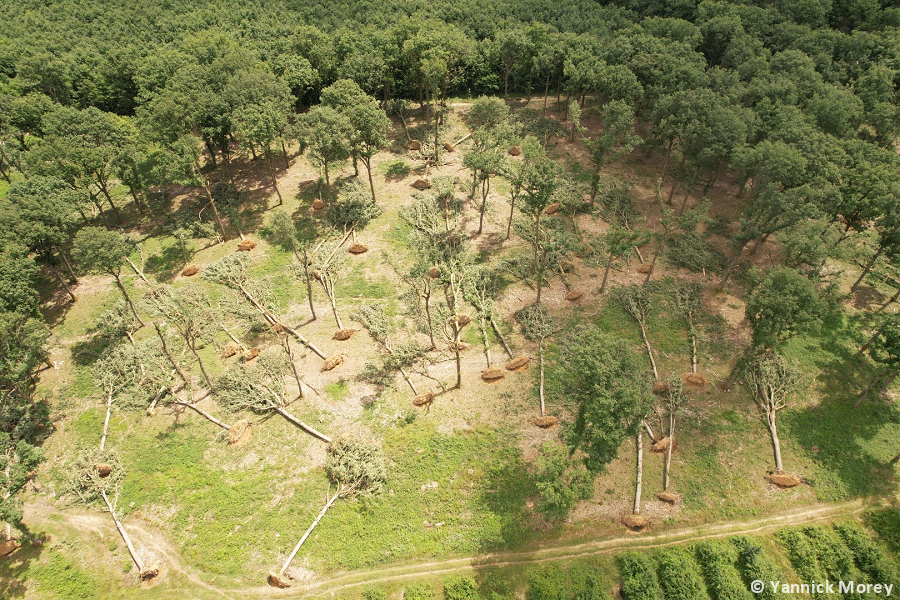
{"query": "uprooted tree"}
{"type": "Point", "coordinates": [400, 358]}
{"type": "Point", "coordinates": [355, 468]}
{"type": "Point", "coordinates": [772, 378]}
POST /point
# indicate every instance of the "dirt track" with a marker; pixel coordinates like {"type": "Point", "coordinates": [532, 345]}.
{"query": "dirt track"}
{"type": "Point", "coordinates": [333, 584]}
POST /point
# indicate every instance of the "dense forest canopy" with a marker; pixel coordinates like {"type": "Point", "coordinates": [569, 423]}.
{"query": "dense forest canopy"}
{"type": "Point", "coordinates": [130, 134]}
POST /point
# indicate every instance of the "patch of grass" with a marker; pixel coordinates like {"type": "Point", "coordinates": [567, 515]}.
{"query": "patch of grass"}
{"type": "Point", "coordinates": [58, 577]}
{"type": "Point", "coordinates": [337, 390]}
{"type": "Point", "coordinates": [356, 284]}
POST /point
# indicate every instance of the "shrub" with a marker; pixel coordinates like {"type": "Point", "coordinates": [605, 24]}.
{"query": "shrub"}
{"type": "Point", "coordinates": [579, 581]}
{"type": "Point", "coordinates": [461, 588]}
{"type": "Point", "coordinates": [639, 580]}
{"type": "Point", "coordinates": [802, 554]}
{"type": "Point", "coordinates": [679, 576]}
{"type": "Point", "coordinates": [833, 556]}
{"type": "Point", "coordinates": [418, 591]}
{"type": "Point", "coordinates": [754, 564]}
{"type": "Point", "coordinates": [717, 561]}
{"type": "Point", "coordinates": [870, 559]}
{"type": "Point", "coordinates": [374, 594]}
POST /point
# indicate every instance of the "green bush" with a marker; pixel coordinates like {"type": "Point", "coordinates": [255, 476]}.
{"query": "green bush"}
{"type": "Point", "coordinates": [679, 576]}
{"type": "Point", "coordinates": [461, 588]}
{"type": "Point", "coordinates": [886, 523]}
{"type": "Point", "coordinates": [639, 580]}
{"type": "Point", "coordinates": [870, 559]}
{"type": "Point", "coordinates": [418, 591]}
{"type": "Point", "coordinates": [755, 565]}
{"type": "Point", "coordinates": [717, 561]}
{"type": "Point", "coordinates": [834, 557]}
{"type": "Point", "coordinates": [802, 554]}
{"type": "Point", "coordinates": [581, 582]}
{"type": "Point", "coordinates": [374, 594]}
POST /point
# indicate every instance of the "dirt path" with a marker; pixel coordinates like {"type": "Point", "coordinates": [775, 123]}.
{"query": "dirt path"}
{"type": "Point", "coordinates": [333, 584]}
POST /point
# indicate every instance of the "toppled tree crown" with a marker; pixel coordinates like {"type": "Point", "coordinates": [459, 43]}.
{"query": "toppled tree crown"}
{"type": "Point", "coordinates": [357, 465]}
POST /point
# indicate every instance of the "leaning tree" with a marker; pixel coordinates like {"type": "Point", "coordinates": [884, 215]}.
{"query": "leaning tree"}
{"type": "Point", "coordinates": [355, 468]}
{"type": "Point", "coordinates": [98, 250]}
{"type": "Point", "coordinates": [772, 378]}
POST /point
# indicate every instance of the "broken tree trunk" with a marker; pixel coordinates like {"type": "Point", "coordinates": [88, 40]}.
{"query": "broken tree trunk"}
{"type": "Point", "coordinates": [496, 329]}
{"type": "Point", "coordinates": [669, 449]}
{"type": "Point", "coordinates": [134, 555]}
{"type": "Point", "coordinates": [296, 549]}
{"type": "Point", "coordinates": [649, 350]}
{"type": "Point", "coordinates": [302, 425]}
{"type": "Point", "coordinates": [193, 406]}
{"type": "Point", "coordinates": [109, 401]}
{"type": "Point", "coordinates": [640, 470]}
{"type": "Point", "coordinates": [776, 443]}
{"type": "Point", "coordinates": [487, 347]}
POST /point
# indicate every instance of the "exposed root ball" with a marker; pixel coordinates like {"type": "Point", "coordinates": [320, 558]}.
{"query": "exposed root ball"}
{"type": "Point", "coordinates": [434, 271]}
{"type": "Point", "coordinates": [332, 362]}
{"type": "Point", "coordinates": [8, 547]}
{"type": "Point", "coordinates": [240, 433]}
{"type": "Point", "coordinates": [660, 388]}
{"type": "Point", "coordinates": [668, 497]}
{"type": "Point", "coordinates": [277, 327]}
{"type": "Point", "coordinates": [519, 363]}
{"type": "Point", "coordinates": [190, 270]}
{"type": "Point", "coordinates": [230, 350]}
{"type": "Point", "coordinates": [782, 479]}
{"type": "Point", "coordinates": [279, 581]}
{"type": "Point", "coordinates": [415, 145]}
{"type": "Point", "coordinates": [515, 151]}
{"type": "Point", "coordinates": [104, 470]}
{"type": "Point", "coordinates": [586, 198]}
{"type": "Point", "coordinates": [462, 319]}
{"type": "Point", "coordinates": [574, 295]}
{"type": "Point", "coordinates": [424, 399]}
{"type": "Point", "coordinates": [463, 346]}
{"type": "Point", "coordinates": [694, 380]}
{"type": "Point", "coordinates": [343, 334]}
{"type": "Point", "coordinates": [636, 522]}
{"type": "Point", "coordinates": [492, 375]}
{"type": "Point", "coordinates": [149, 573]}
{"type": "Point", "coordinates": [546, 422]}
{"type": "Point", "coordinates": [251, 353]}
{"type": "Point", "coordinates": [317, 274]}
{"type": "Point", "coordinates": [318, 204]}
{"type": "Point", "coordinates": [662, 446]}
{"type": "Point", "coordinates": [358, 249]}
{"type": "Point", "coordinates": [449, 147]}
{"type": "Point", "coordinates": [644, 268]}
{"type": "Point", "coordinates": [552, 209]}
{"type": "Point", "coordinates": [421, 184]}
{"type": "Point", "coordinates": [246, 246]}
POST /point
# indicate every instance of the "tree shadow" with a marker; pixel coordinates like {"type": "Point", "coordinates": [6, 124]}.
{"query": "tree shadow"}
{"type": "Point", "coordinates": [866, 296]}
{"type": "Point", "coordinates": [86, 352]}
{"type": "Point", "coordinates": [850, 445]}
{"type": "Point", "coordinates": [505, 492]}
{"type": "Point", "coordinates": [14, 567]}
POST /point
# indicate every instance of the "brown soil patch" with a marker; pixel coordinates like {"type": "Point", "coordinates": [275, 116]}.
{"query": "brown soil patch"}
{"type": "Point", "coordinates": [246, 246]}
{"type": "Point", "coordinates": [104, 470]}
{"type": "Point", "coordinates": [332, 362]}
{"type": "Point", "coordinates": [546, 422]}
{"type": "Point", "coordinates": [421, 184]}
{"type": "Point", "coordinates": [318, 204]}
{"type": "Point", "coordinates": [519, 363]}
{"type": "Point", "coordinates": [279, 581]}
{"type": "Point", "coordinates": [492, 375]}
{"type": "Point", "coordinates": [574, 295]}
{"type": "Point", "coordinates": [694, 380]}
{"type": "Point", "coordinates": [358, 249]}
{"type": "Point", "coordinates": [636, 522]}
{"type": "Point", "coordinates": [251, 354]}
{"type": "Point", "coordinates": [343, 334]}
{"type": "Point", "coordinates": [668, 497]}
{"type": "Point", "coordinates": [515, 151]}
{"type": "Point", "coordinates": [240, 433]}
{"type": "Point", "coordinates": [424, 399]}
{"type": "Point", "coordinates": [8, 547]}
{"type": "Point", "coordinates": [782, 479]}
{"type": "Point", "coordinates": [230, 350]}
{"type": "Point", "coordinates": [190, 270]}
{"type": "Point", "coordinates": [660, 388]}
{"type": "Point", "coordinates": [552, 209]}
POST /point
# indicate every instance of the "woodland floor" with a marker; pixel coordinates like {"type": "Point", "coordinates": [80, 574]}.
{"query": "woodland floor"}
{"type": "Point", "coordinates": [220, 517]}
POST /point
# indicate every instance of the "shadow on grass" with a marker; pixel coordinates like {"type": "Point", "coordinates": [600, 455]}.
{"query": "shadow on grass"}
{"type": "Point", "coordinates": [166, 264]}
{"type": "Point", "coordinates": [14, 580]}
{"type": "Point", "coordinates": [505, 492]}
{"type": "Point", "coordinates": [851, 446]}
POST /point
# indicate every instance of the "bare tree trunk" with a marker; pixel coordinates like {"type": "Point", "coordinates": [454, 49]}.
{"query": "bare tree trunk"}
{"type": "Point", "coordinates": [776, 443]}
{"type": "Point", "coordinates": [649, 350]}
{"type": "Point", "coordinates": [68, 264]}
{"type": "Point", "coordinates": [609, 264]}
{"type": "Point", "coordinates": [302, 425]}
{"type": "Point", "coordinates": [62, 282]}
{"type": "Point", "coordinates": [485, 190]}
{"type": "Point", "coordinates": [693, 335]}
{"type": "Point", "coordinates": [639, 442]}
{"type": "Point", "coordinates": [327, 182]}
{"type": "Point", "coordinates": [190, 345]}
{"type": "Point", "coordinates": [286, 342]}
{"type": "Point", "coordinates": [867, 269]}
{"type": "Point", "coordinates": [168, 354]}
{"type": "Point", "coordinates": [109, 402]}
{"type": "Point", "coordinates": [368, 163]}
{"type": "Point", "coordinates": [212, 205]}
{"type": "Point", "coordinates": [669, 450]}
{"type": "Point", "coordinates": [328, 284]}
{"type": "Point", "coordinates": [137, 271]}
{"type": "Point", "coordinates": [296, 549]}
{"type": "Point", "coordinates": [512, 206]}
{"type": "Point", "coordinates": [487, 346]}
{"type": "Point", "coordinates": [312, 309]}
{"type": "Point", "coordinates": [128, 299]}
{"type": "Point", "coordinates": [232, 336]}
{"type": "Point", "coordinates": [193, 406]}
{"type": "Point", "coordinates": [500, 335]}
{"type": "Point", "coordinates": [134, 555]}
{"type": "Point", "coordinates": [541, 367]}
{"type": "Point", "coordinates": [427, 296]}
{"type": "Point", "coordinates": [890, 301]}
